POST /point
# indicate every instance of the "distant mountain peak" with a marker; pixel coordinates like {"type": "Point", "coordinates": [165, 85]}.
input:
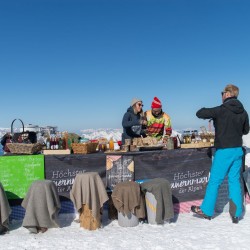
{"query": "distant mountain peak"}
{"type": "Point", "coordinates": [107, 133]}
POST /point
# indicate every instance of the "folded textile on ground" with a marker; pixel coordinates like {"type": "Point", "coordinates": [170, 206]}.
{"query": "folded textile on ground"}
{"type": "Point", "coordinates": [5, 210]}
{"type": "Point", "coordinates": [127, 197]}
{"type": "Point", "coordinates": [161, 189]}
{"type": "Point", "coordinates": [42, 206]}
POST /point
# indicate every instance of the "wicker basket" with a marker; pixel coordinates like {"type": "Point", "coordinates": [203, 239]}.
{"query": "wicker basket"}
{"type": "Point", "coordinates": [84, 148]}
{"type": "Point", "coordinates": [23, 148]}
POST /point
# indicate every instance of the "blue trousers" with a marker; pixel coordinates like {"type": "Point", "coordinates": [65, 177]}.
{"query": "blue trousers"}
{"type": "Point", "coordinates": [227, 162]}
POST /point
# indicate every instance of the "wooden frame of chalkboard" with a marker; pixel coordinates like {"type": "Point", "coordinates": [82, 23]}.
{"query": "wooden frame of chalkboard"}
{"type": "Point", "coordinates": [18, 172]}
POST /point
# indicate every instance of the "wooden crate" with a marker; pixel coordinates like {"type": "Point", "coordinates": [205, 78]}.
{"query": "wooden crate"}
{"type": "Point", "coordinates": [197, 145]}
{"type": "Point", "coordinates": [56, 152]}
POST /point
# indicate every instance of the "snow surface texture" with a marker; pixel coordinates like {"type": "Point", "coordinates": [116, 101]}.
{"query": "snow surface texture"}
{"type": "Point", "coordinates": [187, 232]}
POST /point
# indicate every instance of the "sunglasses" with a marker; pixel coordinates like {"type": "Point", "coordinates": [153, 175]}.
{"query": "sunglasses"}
{"type": "Point", "coordinates": [140, 104]}
{"type": "Point", "coordinates": [223, 92]}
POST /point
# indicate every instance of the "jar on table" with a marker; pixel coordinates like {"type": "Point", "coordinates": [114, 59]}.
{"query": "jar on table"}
{"type": "Point", "coordinates": [170, 143]}
{"type": "Point", "coordinates": [175, 142]}
{"type": "Point", "coordinates": [102, 147]}
{"type": "Point", "coordinates": [111, 144]}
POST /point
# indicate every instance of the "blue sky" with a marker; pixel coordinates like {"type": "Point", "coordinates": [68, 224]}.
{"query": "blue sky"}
{"type": "Point", "coordinates": [77, 64]}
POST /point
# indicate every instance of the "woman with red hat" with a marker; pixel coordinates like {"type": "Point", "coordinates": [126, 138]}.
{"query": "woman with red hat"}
{"type": "Point", "coordinates": [158, 121]}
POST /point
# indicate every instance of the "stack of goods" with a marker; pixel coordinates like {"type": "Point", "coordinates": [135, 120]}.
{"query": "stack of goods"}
{"type": "Point", "coordinates": [148, 141]}
{"type": "Point", "coordinates": [60, 143]}
{"type": "Point", "coordinates": [200, 141]}
{"type": "Point", "coordinates": [55, 143]}
{"type": "Point", "coordinates": [208, 137]}
{"type": "Point", "coordinates": [109, 145]}
{"type": "Point", "coordinates": [141, 144]}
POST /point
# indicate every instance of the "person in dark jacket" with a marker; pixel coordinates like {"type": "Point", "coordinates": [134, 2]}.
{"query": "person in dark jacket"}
{"type": "Point", "coordinates": [6, 139]}
{"type": "Point", "coordinates": [231, 122]}
{"type": "Point", "coordinates": [133, 122]}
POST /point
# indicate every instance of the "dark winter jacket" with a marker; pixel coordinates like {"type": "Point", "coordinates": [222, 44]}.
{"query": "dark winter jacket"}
{"type": "Point", "coordinates": [230, 122]}
{"type": "Point", "coordinates": [131, 125]}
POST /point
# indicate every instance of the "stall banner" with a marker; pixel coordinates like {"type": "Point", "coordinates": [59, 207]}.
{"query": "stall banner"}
{"type": "Point", "coordinates": [119, 168]}
{"type": "Point", "coordinates": [187, 170]}
{"type": "Point", "coordinates": [62, 169]}
{"type": "Point", "coordinates": [18, 172]}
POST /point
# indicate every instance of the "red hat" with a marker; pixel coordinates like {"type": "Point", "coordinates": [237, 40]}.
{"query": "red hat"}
{"type": "Point", "coordinates": [156, 103]}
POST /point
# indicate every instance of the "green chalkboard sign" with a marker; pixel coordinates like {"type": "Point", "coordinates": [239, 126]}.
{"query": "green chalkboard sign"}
{"type": "Point", "coordinates": [18, 172]}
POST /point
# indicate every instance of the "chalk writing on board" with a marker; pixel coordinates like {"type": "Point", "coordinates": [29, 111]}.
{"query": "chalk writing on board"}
{"type": "Point", "coordinates": [119, 171]}
{"type": "Point", "coordinates": [18, 172]}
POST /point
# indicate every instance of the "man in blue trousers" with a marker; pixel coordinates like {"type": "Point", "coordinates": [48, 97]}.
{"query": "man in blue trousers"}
{"type": "Point", "coordinates": [230, 122]}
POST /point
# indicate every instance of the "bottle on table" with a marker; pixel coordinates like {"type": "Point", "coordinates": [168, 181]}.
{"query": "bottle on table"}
{"type": "Point", "coordinates": [56, 143]}
{"type": "Point", "coordinates": [48, 143]}
{"type": "Point", "coordinates": [65, 143]}
{"type": "Point", "coordinates": [51, 143]}
{"type": "Point", "coordinates": [69, 143]}
{"type": "Point", "coordinates": [170, 143]}
{"type": "Point", "coordinates": [60, 143]}
{"type": "Point", "coordinates": [111, 144]}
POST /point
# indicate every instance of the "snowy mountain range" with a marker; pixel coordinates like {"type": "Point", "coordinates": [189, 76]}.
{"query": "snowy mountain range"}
{"type": "Point", "coordinates": [91, 134]}
{"type": "Point", "coordinates": [107, 133]}
{"type": "Point", "coordinates": [3, 131]}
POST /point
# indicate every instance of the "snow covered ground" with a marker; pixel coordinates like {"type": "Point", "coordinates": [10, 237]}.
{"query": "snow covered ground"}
{"type": "Point", "coordinates": [188, 232]}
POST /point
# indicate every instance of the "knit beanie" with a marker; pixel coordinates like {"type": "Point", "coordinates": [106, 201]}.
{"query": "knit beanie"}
{"type": "Point", "coordinates": [134, 101]}
{"type": "Point", "coordinates": [156, 103]}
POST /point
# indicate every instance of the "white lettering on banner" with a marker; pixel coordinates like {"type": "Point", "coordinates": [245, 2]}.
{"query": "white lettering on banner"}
{"type": "Point", "coordinates": [119, 176]}
{"type": "Point", "coordinates": [194, 189]}
{"type": "Point", "coordinates": [188, 174]}
{"type": "Point", "coordinates": [189, 182]}
{"type": "Point", "coordinates": [66, 182]}
{"type": "Point", "coordinates": [65, 174]}
{"type": "Point", "coordinates": [192, 185]}
{"type": "Point", "coordinates": [60, 189]}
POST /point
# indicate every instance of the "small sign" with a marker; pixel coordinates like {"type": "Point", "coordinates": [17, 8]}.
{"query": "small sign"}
{"type": "Point", "coordinates": [119, 168]}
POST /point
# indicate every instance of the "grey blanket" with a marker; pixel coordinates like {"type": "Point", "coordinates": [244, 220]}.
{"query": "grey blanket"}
{"type": "Point", "coordinates": [161, 189]}
{"type": "Point", "coordinates": [5, 210]}
{"type": "Point", "coordinates": [127, 197]}
{"type": "Point", "coordinates": [89, 189]}
{"type": "Point", "coordinates": [42, 205]}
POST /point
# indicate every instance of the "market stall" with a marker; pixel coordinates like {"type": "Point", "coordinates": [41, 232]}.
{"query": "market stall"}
{"type": "Point", "coordinates": [186, 169]}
